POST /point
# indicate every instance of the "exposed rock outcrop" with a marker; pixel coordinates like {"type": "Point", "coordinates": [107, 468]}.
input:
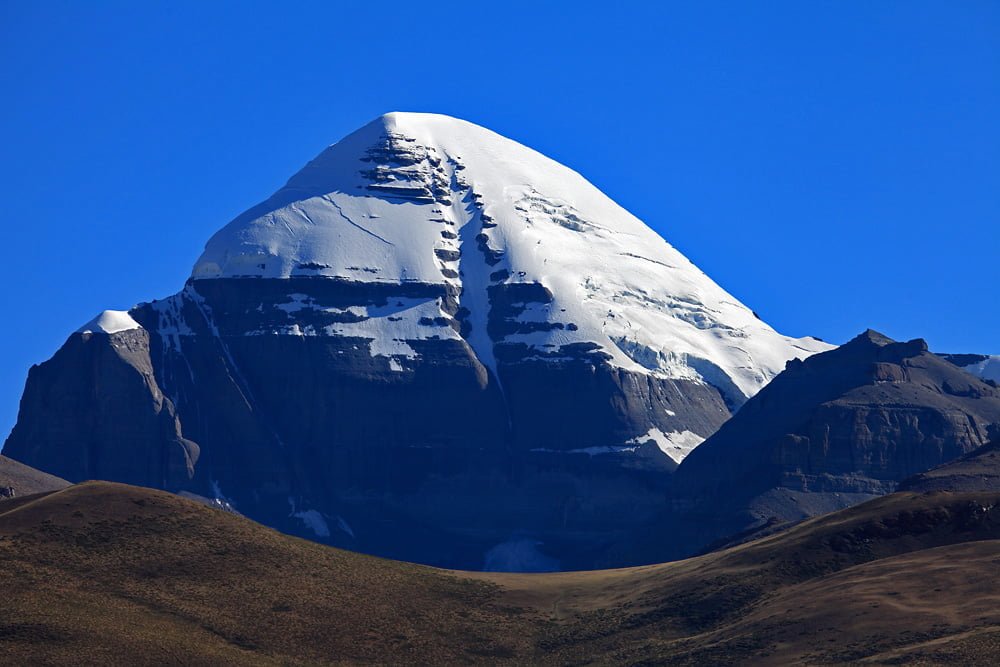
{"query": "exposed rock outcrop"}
{"type": "Point", "coordinates": [96, 411]}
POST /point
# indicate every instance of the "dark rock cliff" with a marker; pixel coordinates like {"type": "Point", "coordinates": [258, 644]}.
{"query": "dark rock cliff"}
{"type": "Point", "coordinates": [435, 458]}
{"type": "Point", "coordinates": [830, 431]}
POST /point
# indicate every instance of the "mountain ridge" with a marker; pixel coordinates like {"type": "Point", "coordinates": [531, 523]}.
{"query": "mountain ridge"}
{"type": "Point", "coordinates": [833, 430]}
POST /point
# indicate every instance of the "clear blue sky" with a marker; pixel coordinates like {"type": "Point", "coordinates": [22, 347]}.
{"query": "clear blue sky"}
{"type": "Point", "coordinates": [833, 164]}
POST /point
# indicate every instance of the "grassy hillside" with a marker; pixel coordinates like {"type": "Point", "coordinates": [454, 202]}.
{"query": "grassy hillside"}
{"type": "Point", "coordinates": [100, 571]}
{"type": "Point", "coordinates": [106, 573]}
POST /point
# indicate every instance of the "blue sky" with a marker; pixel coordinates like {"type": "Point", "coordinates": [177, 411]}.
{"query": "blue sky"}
{"type": "Point", "coordinates": [832, 164]}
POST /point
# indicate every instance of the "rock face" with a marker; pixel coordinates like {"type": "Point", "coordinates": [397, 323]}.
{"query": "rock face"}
{"type": "Point", "coordinates": [17, 479]}
{"type": "Point", "coordinates": [835, 429]}
{"type": "Point", "coordinates": [95, 410]}
{"type": "Point", "coordinates": [976, 471]}
{"type": "Point", "coordinates": [433, 344]}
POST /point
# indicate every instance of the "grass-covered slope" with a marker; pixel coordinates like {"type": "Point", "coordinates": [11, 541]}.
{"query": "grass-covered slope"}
{"type": "Point", "coordinates": [106, 573]}
{"type": "Point", "coordinates": [101, 573]}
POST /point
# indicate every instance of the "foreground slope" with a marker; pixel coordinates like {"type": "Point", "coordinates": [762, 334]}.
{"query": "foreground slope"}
{"type": "Point", "coordinates": [101, 572]}
{"type": "Point", "coordinates": [433, 343]}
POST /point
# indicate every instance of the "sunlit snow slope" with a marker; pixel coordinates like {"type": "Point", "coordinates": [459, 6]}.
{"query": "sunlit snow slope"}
{"type": "Point", "coordinates": [427, 198]}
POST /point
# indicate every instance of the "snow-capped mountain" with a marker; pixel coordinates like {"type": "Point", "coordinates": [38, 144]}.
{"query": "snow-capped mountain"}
{"type": "Point", "coordinates": [429, 199]}
{"type": "Point", "coordinates": [429, 330]}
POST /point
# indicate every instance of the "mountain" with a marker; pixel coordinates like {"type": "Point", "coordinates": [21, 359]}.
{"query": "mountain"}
{"type": "Point", "coordinates": [979, 470]}
{"type": "Point", "coordinates": [985, 366]}
{"type": "Point", "coordinates": [433, 343]}
{"type": "Point", "coordinates": [105, 573]}
{"type": "Point", "coordinates": [833, 430]}
{"type": "Point", "coordinates": [17, 479]}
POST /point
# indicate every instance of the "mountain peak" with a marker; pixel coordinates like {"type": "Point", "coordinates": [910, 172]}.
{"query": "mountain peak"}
{"type": "Point", "coordinates": [419, 198]}
{"type": "Point", "coordinates": [109, 322]}
{"type": "Point", "coordinates": [404, 121]}
{"type": "Point", "coordinates": [871, 336]}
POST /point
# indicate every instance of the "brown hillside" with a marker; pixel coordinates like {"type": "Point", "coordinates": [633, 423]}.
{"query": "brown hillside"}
{"type": "Point", "coordinates": [110, 574]}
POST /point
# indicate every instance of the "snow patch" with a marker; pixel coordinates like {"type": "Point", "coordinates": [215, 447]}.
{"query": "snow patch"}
{"type": "Point", "coordinates": [109, 322]}
{"type": "Point", "coordinates": [312, 519]}
{"type": "Point", "coordinates": [675, 444]}
{"type": "Point", "coordinates": [344, 526]}
{"type": "Point", "coordinates": [220, 500]}
{"type": "Point", "coordinates": [172, 324]}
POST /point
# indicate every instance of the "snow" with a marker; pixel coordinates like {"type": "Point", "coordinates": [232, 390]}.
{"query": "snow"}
{"type": "Point", "coordinates": [220, 500]}
{"type": "Point", "coordinates": [344, 526]}
{"type": "Point", "coordinates": [420, 217]}
{"type": "Point", "coordinates": [315, 522]}
{"type": "Point", "coordinates": [110, 322]}
{"type": "Point", "coordinates": [387, 327]}
{"type": "Point", "coordinates": [988, 368]}
{"type": "Point", "coordinates": [172, 325]}
{"type": "Point", "coordinates": [312, 520]}
{"type": "Point", "coordinates": [676, 444]}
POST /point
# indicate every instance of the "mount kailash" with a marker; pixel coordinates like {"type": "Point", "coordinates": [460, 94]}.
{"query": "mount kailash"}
{"type": "Point", "coordinates": [433, 343]}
